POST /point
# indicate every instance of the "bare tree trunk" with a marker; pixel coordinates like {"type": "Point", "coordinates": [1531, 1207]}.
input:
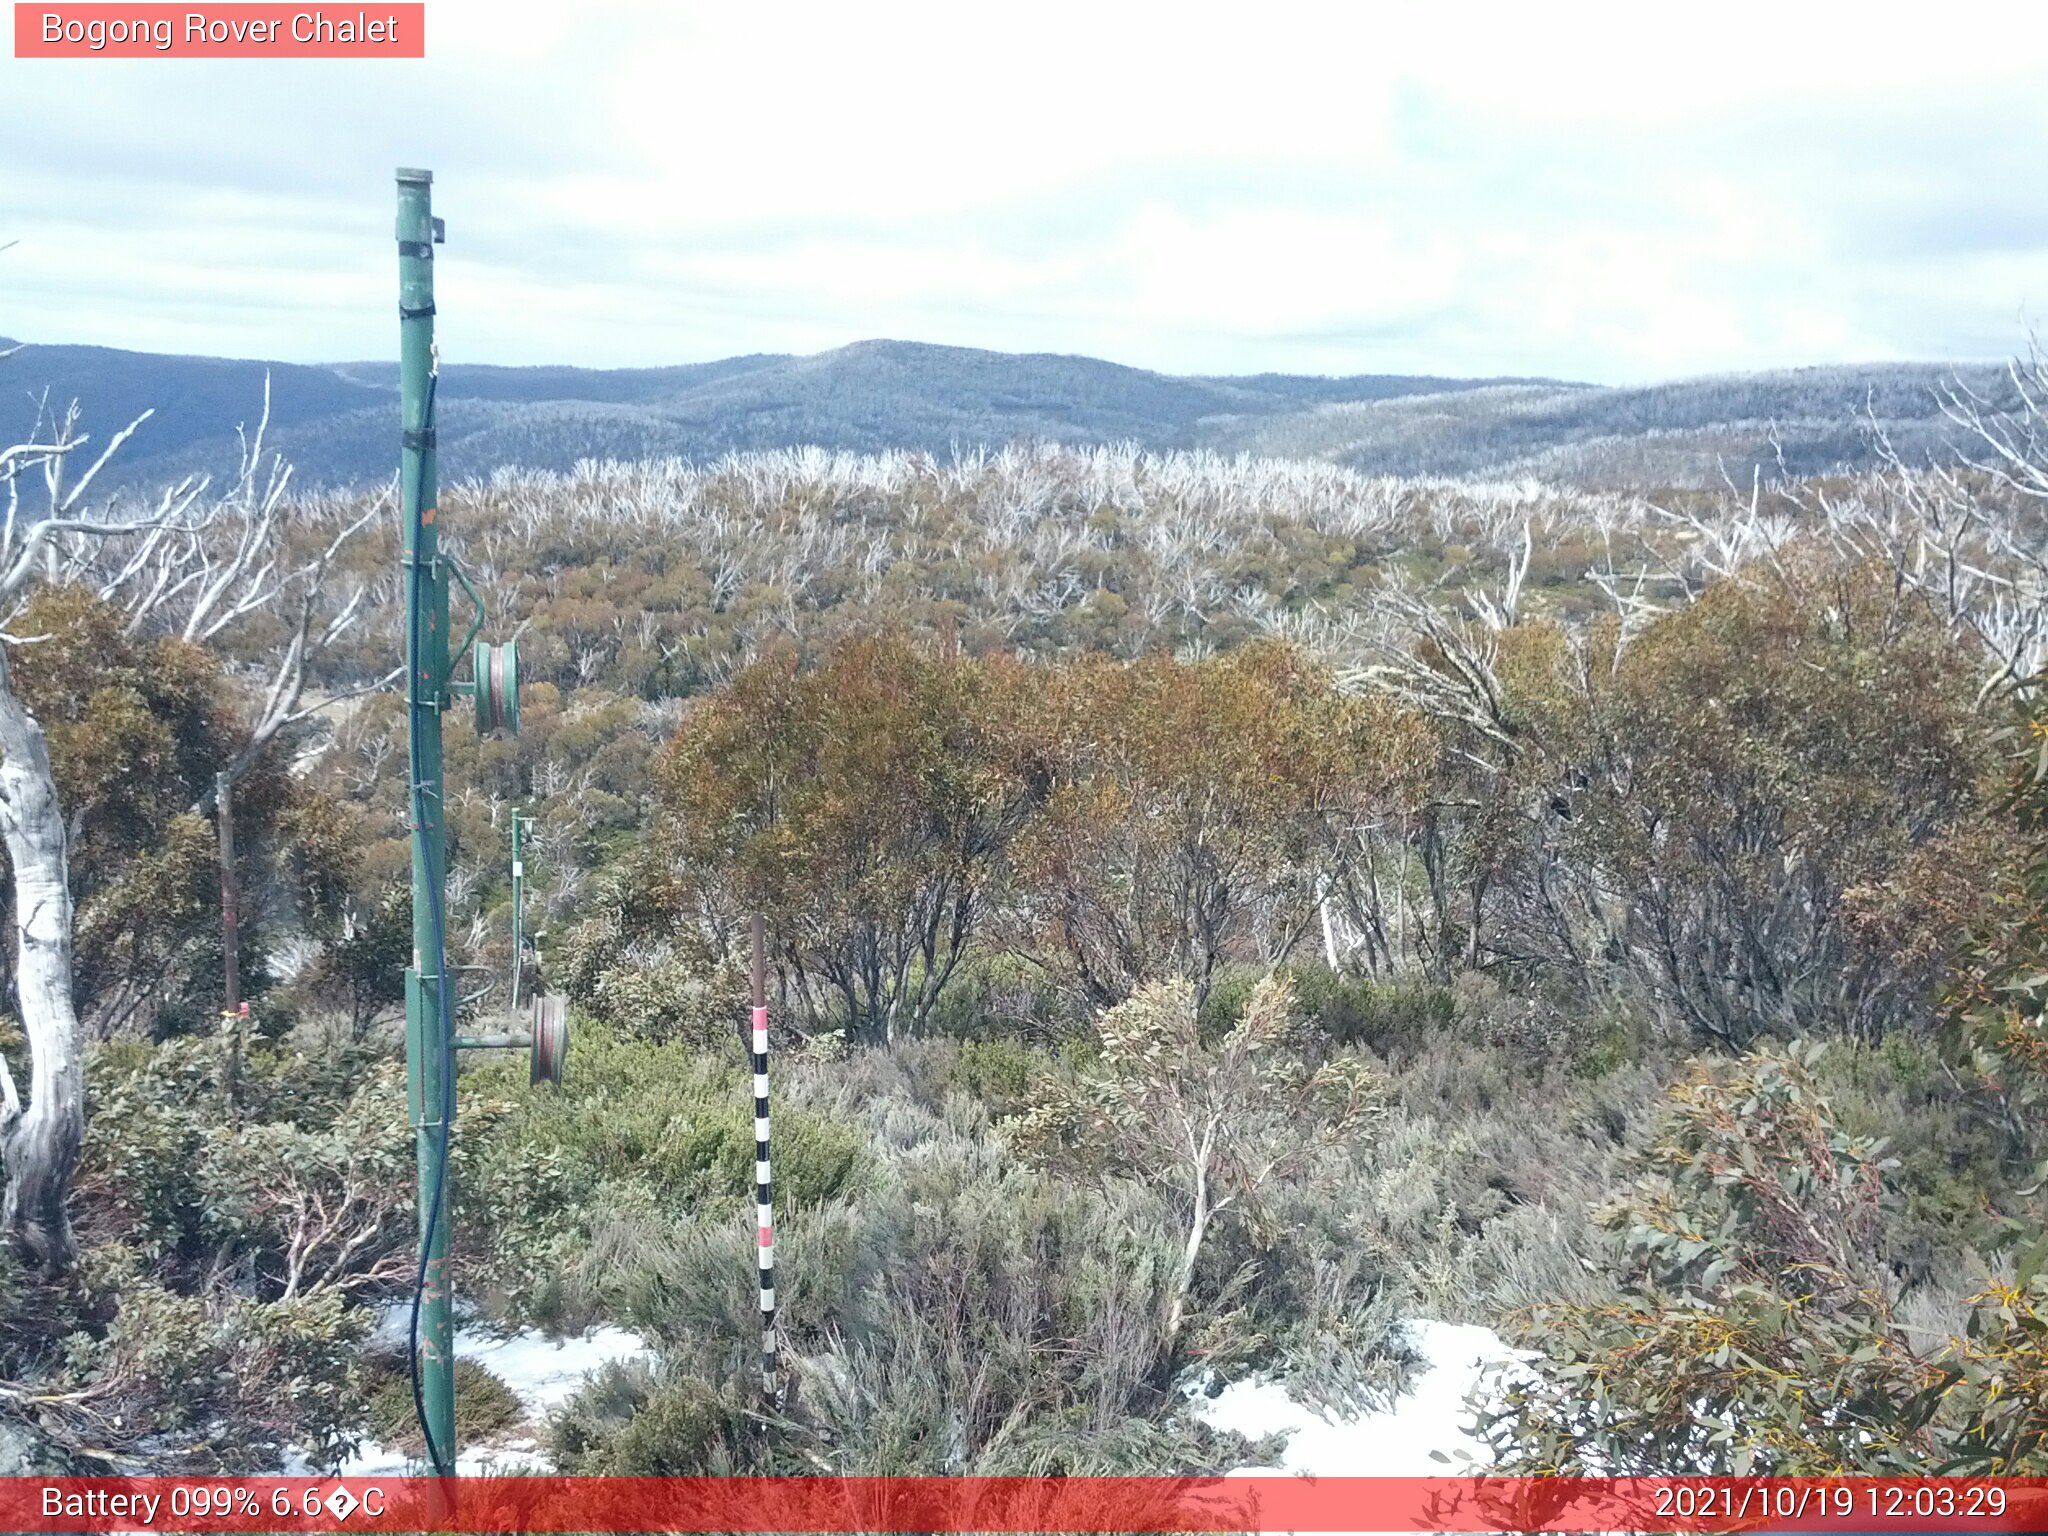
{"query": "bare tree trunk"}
{"type": "Point", "coordinates": [230, 940]}
{"type": "Point", "coordinates": [230, 915]}
{"type": "Point", "coordinates": [1331, 957]}
{"type": "Point", "coordinates": [1198, 1228]}
{"type": "Point", "coordinates": [42, 1141]}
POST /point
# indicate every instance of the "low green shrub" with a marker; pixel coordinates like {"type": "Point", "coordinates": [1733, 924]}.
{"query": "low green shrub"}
{"type": "Point", "coordinates": [630, 1421]}
{"type": "Point", "coordinates": [1345, 1009]}
{"type": "Point", "coordinates": [1000, 1073]}
{"type": "Point", "coordinates": [639, 1126]}
{"type": "Point", "coordinates": [484, 1405]}
{"type": "Point", "coordinates": [692, 998]}
{"type": "Point", "coordinates": [226, 1380]}
{"type": "Point", "coordinates": [1616, 1036]}
{"type": "Point", "coordinates": [952, 1309]}
{"type": "Point", "coordinates": [1754, 1334]}
{"type": "Point", "coordinates": [998, 994]}
{"type": "Point", "coordinates": [628, 964]}
{"type": "Point", "coordinates": [1950, 1180]}
{"type": "Point", "coordinates": [229, 1210]}
{"type": "Point", "coordinates": [300, 1178]}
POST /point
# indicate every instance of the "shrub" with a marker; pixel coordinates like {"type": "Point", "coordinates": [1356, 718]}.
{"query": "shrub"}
{"type": "Point", "coordinates": [1000, 1073]}
{"type": "Point", "coordinates": [1997, 1033]}
{"type": "Point", "coordinates": [957, 1311]}
{"type": "Point", "coordinates": [629, 962]}
{"type": "Point", "coordinates": [1007, 993]}
{"type": "Point", "coordinates": [1212, 1126]}
{"type": "Point", "coordinates": [228, 1222]}
{"type": "Point", "coordinates": [658, 1128]}
{"type": "Point", "coordinates": [137, 725]}
{"type": "Point", "coordinates": [302, 1180]}
{"type": "Point", "coordinates": [1188, 804]}
{"type": "Point", "coordinates": [1345, 1010]}
{"type": "Point", "coordinates": [313, 1208]}
{"type": "Point", "coordinates": [1762, 767]}
{"type": "Point", "coordinates": [1379, 1014]}
{"type": "Point", "coordinates": [865, 806]}
{"type": "Point", "coordinates": [367, 961]}
{"type": "Point", "coordinates": [630, 1421]}
{"type": "Point", "coordinates": [1755, 1334]}
{"type": "Point", "coordinates": [1949, 1180]}
{"type": "Point", "coordinates": [484, 1405]}
{"type": "Point", "coordinates": [671, 997]}
{"type": "Point", "coordinates": [234, 1379]}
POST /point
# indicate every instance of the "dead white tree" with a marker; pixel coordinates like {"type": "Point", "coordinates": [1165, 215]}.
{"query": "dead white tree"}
{"type": "Point", "coordinates": [198, 577]}
{"type": "Point", "coordinates": [1969, 534]}
{"type": "Point", "coordinates": [43, 1136]}
{"type": "Point", "coordinates": [193, 565]}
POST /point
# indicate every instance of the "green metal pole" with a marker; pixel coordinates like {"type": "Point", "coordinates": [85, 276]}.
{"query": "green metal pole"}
{"type": "Point", "coordinates": [518, 910]}
{"type": "Point", "coordinates": [429, 1049]}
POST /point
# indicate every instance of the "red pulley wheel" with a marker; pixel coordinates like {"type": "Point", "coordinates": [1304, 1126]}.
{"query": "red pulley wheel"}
{"type": "Point", "coordinates": [550, 1036]}
{"type": "Point", "coordinates": [497, 688]}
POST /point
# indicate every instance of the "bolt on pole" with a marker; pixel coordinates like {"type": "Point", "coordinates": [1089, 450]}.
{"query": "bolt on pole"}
{"type": "Point", "coordinates": [429, 1047]}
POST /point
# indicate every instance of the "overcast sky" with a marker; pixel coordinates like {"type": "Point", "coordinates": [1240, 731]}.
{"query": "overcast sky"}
{"type": "Point", "coordinates": [1610, 193]}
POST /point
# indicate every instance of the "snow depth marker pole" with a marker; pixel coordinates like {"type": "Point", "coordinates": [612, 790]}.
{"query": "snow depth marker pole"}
{"type": "Point", "coordinates": [764, 1183]}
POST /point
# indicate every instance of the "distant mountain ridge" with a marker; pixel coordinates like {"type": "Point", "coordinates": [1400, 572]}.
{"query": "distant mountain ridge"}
{"type": "Point", "coordinates": [338, 424]}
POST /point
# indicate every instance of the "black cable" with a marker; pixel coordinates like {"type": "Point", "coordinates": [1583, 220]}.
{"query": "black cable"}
{"type": "Point", "coordinates": [437, 1454]}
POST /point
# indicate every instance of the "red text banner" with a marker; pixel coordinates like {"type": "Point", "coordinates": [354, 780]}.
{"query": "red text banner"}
{"type": "Point", "coordinates": [234, 31]}
{"type": "Point", "coordinates": [1025, 1504]}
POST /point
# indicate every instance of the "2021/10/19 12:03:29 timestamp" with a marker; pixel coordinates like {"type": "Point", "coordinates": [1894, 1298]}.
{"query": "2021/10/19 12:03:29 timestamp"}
{"type": "Point", "coordinates": [1738, 1499]}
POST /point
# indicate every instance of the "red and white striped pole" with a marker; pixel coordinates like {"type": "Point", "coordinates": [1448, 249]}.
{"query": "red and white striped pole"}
{"type": "Point", "coordinates": [764, 1182]}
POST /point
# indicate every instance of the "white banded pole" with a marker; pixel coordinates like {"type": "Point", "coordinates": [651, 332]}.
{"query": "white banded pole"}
{"type": "Point", "coordinates": [764, 1182]}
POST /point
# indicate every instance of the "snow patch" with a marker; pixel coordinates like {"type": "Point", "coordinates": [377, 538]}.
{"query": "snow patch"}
{"type": "Point", "coordinates": [1455, 1362]}
{"type": "Point", "coordinates": [542, 1372]}
{"type": "Point", "coordinates": [545, 1373]}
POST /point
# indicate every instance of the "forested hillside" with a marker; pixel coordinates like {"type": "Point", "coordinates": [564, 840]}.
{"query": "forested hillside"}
{"type": "Point", "coordinates": [1695, 432]}
{"type": "Point", "coordinates": [1218, 907]}
{"type": "Point", "coordinates": [335, 424]}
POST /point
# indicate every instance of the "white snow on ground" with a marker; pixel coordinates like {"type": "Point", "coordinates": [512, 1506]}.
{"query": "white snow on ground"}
{"type": "Point", "coordinates": [1453, 1361]}
{"type": "Point", "coordinates": [543, 1374]}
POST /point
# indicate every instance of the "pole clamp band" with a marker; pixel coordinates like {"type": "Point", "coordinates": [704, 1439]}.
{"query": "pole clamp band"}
{"type": "Point", "coordinates": [423, 249]}
{"type": "Point", "coordinates": [417, 442]}
{"type": "Point", "coordinates": [424, 312]}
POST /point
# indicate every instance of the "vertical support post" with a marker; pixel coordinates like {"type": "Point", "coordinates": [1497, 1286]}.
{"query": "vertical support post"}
{"type": "Point", "coordinates": [430, 1052]}
{"type": "Point", "coordinates": [518, 910]}
{"type": "Point", "coordinates": [764, 1182]}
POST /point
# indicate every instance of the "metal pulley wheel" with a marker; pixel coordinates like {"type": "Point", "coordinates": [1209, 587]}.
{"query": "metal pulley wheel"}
{"type": "Point", "coordinates": [497, 688]}
{"type": "Point", "coordinates": [550, 1036]}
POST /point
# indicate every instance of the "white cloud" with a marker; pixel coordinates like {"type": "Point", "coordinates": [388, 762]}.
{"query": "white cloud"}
{"type": "Point", "coordinates": [1595, 191]}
